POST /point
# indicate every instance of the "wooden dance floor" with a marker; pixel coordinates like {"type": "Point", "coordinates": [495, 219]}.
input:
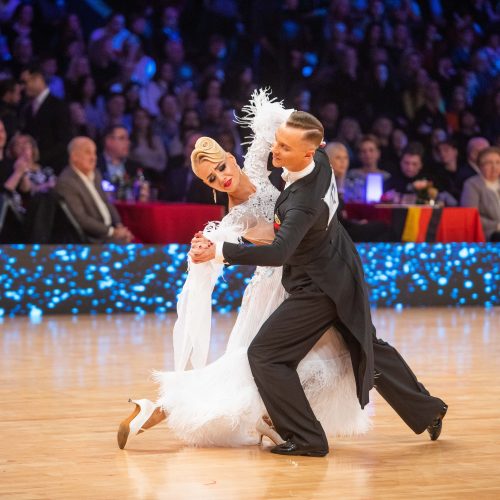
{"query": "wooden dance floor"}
{"type": "Point", "coordinates": [65, 383]}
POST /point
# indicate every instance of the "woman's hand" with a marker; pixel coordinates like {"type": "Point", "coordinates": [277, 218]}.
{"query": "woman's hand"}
{"type": "Point", "coordinates": [202, 249]}
{"type": "Point", "coordinates": [199, 241]}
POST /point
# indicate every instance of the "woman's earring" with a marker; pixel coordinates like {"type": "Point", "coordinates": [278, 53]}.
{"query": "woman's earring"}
{"type": "Point", "coordinates": [215, 195]}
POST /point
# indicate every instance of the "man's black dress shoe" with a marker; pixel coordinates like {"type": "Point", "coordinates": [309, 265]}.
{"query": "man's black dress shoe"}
{"type": "Point", "coordinates": [290, 448]}
{"type": "Point", "coordinates": [436, 426]}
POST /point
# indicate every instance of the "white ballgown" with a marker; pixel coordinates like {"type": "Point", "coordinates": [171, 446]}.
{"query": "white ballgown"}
{"type": "Point", "coordinates": [218, 404]}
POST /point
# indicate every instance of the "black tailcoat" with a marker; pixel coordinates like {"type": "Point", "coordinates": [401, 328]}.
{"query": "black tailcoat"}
{"type": "Point", "coordinates": [311, 250]}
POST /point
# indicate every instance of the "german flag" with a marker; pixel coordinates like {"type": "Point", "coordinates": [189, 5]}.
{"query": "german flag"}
{"type": "Point", "coordinates": [417, 224]}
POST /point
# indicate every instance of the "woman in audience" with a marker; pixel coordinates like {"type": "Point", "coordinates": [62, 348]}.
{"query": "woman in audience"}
{"type": "Point", "coordinates": [147, 148]}
{"type": "Point", "coordinates": [483, 192]}
{"type": "Point", "coordinates": [31, 177]}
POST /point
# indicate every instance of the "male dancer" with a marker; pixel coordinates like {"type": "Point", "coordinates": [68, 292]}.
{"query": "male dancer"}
{"type": "Point", "coordinates": [323, 274]}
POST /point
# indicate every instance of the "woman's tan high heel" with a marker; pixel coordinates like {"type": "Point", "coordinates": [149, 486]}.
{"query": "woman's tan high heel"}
{"type": "Point", "coordinates": [133, 424]}
{"type": "Point", "coordinates": [265, 427]}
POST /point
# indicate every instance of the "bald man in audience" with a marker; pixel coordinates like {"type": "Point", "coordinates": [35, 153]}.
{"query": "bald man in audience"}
{"type": "Point", "coordinates": [80, 186]}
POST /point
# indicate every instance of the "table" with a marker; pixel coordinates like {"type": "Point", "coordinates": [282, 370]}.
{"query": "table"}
{"type": "Point", "coordinates": [167, 222]}
{"type": "Point", "coordinates": [421, 223]}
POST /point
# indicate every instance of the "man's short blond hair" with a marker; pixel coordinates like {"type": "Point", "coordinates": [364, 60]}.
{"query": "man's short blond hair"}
{"type": "Point", "coordinates": [313, 130]}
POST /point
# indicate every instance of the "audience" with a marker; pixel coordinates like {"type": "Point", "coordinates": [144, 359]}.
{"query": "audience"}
{"type": "Point", "coordinates": [79, 184]}
{"type": "Point", "coordinates": [404, 71]}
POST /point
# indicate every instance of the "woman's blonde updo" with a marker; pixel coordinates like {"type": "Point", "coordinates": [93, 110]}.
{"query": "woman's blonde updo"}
{"type": "Point", "coordinates": [206, 149]}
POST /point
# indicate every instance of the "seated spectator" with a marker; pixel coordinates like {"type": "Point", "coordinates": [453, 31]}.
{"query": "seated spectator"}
{"type": "Point", "coordinates": [329, 116]}
{"type": "Point", "coordinates": [410, 170]}
{"type": "Point", "coordinates": [359, 230]}
{"type": "Point", "coordinates": [397, 146]}
{"type": "Point", "coordinates": [80, 186]}
{"type": "Point", "coordinates": [36, 179]}
{"type": "Point", "coordinates": [46, 119]}
{"type": "Point", "coordinates": [483, 192]}
{"type": "Point", "coordinates": [432, 157]}
{"type": "Point", "coordinates": [114, 163]}
{"type": "Point", "coordinates": [339, 161]}
{"type": "Point", "coordinates": [190, 122]}
{"type": "Point", "coordinates": [213, 108]}
{"type": "Point", "coordinates": [382, 129]}
{"type": "Point", "coordinates": [369, 156]}
{"type": "Point", "coordinates": [474, 147]}
{"type": "Point", "coordinates": [115, 113]}
{"type": "Point", "coordinates": [147, 147]}
{"type": "Point", "coordinates": [468, 128]}
{"type": "Point", "coordinates": [448, 175]}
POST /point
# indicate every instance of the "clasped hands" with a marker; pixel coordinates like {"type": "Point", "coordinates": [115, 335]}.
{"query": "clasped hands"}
{"type": "Point", "coordinates": [202, 250]}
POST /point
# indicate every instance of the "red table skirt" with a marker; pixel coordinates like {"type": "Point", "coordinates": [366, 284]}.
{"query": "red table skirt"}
{"type": "Point", "coordinates": [422, 223]}
{"type": "Point", "coordinates": [167, 222]}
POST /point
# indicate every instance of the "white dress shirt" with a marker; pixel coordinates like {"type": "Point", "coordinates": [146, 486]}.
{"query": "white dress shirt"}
{"type": "Point", "coordinates": [289, 178]}
{"type": "Point", "coordinates": [39, 100]}
{"type": "Point", "coordinates": [101, 206]}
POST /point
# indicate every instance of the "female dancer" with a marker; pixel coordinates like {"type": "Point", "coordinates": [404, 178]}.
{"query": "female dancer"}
{"type": "Point", "coordinates": [218, 404]}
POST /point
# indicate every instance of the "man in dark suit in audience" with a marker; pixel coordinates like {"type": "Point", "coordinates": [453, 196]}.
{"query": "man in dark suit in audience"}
{"type": "Point", "coordinates": [80, 186]}
{"type": "Point", "coordinates": [114, 163]}
{"type": "Point", "coordinates": [46, 118]}
{"type": "Point", "coordinates": [10, 98]}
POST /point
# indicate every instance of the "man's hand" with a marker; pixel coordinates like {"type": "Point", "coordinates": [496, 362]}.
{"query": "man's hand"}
{"type": "Point", "coordinates": [122, 234]}
{"type": "Point", "coordinates": [199, 255]}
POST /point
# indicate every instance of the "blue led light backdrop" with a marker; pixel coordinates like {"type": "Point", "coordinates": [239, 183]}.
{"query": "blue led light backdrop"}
{"type": "Point", "coordinates": [76, 279]}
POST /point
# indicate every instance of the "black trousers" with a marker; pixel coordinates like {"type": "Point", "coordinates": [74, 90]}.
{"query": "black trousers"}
{"type": "Point", "coordinates": [284, 340]}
